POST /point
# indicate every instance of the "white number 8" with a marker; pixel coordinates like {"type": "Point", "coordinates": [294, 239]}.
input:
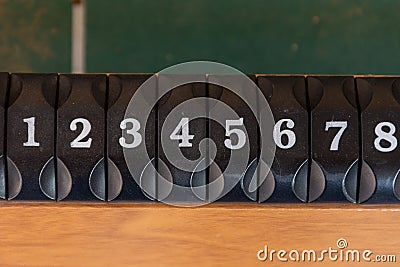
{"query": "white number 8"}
{"type": "Point", "coordinates": [387, 136]}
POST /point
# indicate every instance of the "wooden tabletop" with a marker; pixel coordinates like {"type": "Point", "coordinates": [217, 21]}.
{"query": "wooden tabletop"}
{"type": "Point", "coordinates": [59, 234]}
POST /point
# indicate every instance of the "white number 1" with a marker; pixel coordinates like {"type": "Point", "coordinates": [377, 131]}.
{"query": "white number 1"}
{"type": "Point", "coordinates": [336, 124]}
{"type": "Point", "coordinates": [31, 132]}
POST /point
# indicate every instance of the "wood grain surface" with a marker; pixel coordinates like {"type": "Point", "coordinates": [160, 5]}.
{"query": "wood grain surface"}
{"type": "Point", "coordinates": [61, 234]}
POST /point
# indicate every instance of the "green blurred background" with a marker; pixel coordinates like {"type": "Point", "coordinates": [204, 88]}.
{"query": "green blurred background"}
{"type": "Point", "coordinates": [308, 36]}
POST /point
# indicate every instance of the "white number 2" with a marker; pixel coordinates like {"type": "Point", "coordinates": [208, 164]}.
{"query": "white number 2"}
{"type": "Point", "coordinates": [185, 137]}
{"type": "Point", "coordinates": [77, 142]}
{"type": "Point", "coordinates": [240, 134]}
{"type": "Point", "coordinates": [31, 132]}
{"type": "Point", "coordinates": [336, 124]}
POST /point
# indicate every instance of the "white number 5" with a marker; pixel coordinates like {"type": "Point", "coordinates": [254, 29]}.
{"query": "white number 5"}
{"type": "Point", "coordinates": [336, 124]}
{"type": "Point", "coordinates": [240, 134]}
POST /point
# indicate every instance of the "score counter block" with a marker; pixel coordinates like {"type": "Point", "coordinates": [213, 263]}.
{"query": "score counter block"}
{"type": "Point", "coordinates": [334, 137]}
{"type": "Point", "coordinates": [31, 136]}
{"type": "Point", "coordinates": [184, 134]}
{"type": "Point", "coordinates": [121, 132]}
{"type": "Point", "coordinates": [286, 96]}
{"type": "Point", "coordinates": [81, 129]}
{"type": "Point", "coordinates": [380, 119]}
{"type": "Point", "coordinates": [235, 135]}
{"type": "Point", "coordinates": [65, 138]}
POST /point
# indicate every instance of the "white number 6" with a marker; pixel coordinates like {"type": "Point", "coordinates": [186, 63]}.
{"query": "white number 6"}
{"type": "Point", "coordinates": [277, 134]}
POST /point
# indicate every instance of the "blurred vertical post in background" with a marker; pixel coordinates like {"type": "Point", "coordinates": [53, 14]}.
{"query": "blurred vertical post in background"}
{"type": "Point", "coordinates": [78, 58]}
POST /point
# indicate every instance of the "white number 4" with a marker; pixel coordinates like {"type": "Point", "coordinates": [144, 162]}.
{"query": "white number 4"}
{"type": "Point", "coordinates": [185, 137]}
{"type": "Point", "coordinates": [336, 124]}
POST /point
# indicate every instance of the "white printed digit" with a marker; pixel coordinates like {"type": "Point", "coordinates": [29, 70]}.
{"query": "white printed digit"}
{"type": "Point", "coordinates": [277, 134]}
{"type": "Point", "coordinates": [31, 132]}
{"type": "Point", "coordinates": [137, 138]}
{"type": "Point", "coordinates": [185, 137]}
{"type": "Point", "coordinates": [336, 124]}
{"type": "Point", "coordinates": [387, 136]}
{"type": "Point", "coordinates": [77, 142]}
{"type": "Point", "coordinates": [240, 134]}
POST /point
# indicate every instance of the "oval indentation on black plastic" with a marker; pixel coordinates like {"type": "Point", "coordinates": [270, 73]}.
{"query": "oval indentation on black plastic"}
{"type": "Point", "coordinates": [249, 181]}
{"type": "Point", "coordinates": [299, 92]}
{"type": "Point", "coordinates": [164, 181]}
{"type": "Point", "coordinates": [147, 180]}
{"type": "Point", "coordinates": [199, 90]}
{"type": "Point", "coordinates": [97, 180]}
{"type": "Point", "coordinates": [267, 87]}
{"type": "Point", "coordinates": [16, 89]}
{"type": "Point", "coordinates": [317, 182]}
{"type": "Point", "coordinates": [64, 180]}
{"type": "Point", "coordinates": [114, 90]}
{"type": "Point", "coordinates": [367, 183]}
{"type": "Point", "coordinates": [64, 90]}
{"type": "Point", "coordinates": [309, 189]}
{"type": "Point", "coordinates": [315, 91]}
{"type": "Point", "coordinates": [198, 180]}
{"type": "Point", "coordinates": [2, 178]}
{"type": "Point", "coordinates": [214, 91]}
{"type": "Point", "coordinates": [396, 90]}
{"type": "Point", "coordinates": [299, 183]}
{"type": "Point", "coordinates": [257, 188]}
{"type": "Point", "coordinates": [349, 91]}
{"type": "Point", "coordinates": [364, 91]}
{"type": "Point", "coordinates": [114, 180]}
{"type": "Point", "coordinates": [267, 185]}
{"type": "Point", "coordinates": [349, 184]}
{"type": "Point", "coordinates": [153, 185]}
{"type": "Point", "coordinates": [47, 180]}
{"type": "Point", "coordinates": [396, 185]}
{"type": "Point", "coordinates": [99, 91]}
{"type": "Point", "coordinates": [205, 190]}
{"type": "Point", "coordinates": [49, 90]}
{"type": "Point", "coordinates": [14, 179]}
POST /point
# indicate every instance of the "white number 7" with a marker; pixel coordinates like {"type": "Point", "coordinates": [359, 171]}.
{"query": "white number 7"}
{"type": "Point", "coordinates": [336, 124]}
